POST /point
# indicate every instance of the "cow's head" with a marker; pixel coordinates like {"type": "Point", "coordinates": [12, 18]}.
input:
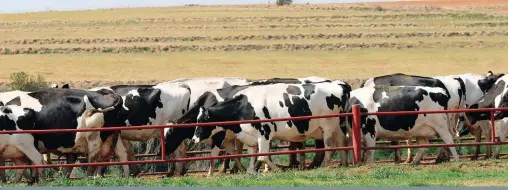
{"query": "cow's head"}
{"type": "Point", "coordinates": [229, 110]}
{"type": "Point", "coordinates": [488, 81]}
{"type": "Point", "coordinates": [54, 85]}
{"type": "Point", "coordinates": [202, 133]}
{"type": "Point", "coordinates": [496, 97]}
{"type": "Point", "coordinates": [14, 117]}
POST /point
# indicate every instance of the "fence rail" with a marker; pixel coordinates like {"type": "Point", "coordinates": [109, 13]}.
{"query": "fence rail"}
{"type": "Point", "coordinates": [356, 138]}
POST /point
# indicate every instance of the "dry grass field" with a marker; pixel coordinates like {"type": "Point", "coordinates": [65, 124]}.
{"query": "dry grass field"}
{"type": "Point", "coordinates": [343, 41]}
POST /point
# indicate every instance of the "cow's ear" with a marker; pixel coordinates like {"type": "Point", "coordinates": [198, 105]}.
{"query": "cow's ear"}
{"type": "Point", "coordinates": [29, 114]}
{"type": "Point", "coordinates": [154, 95]}
{"type": "Point", "coordinates": [65, 86]}
{"type": "Point", "coordinates": [1, 103]}
{"type": "Point", "coordinates": [16, 101]}
{"type": "Point", "coordinates": [489, 73]}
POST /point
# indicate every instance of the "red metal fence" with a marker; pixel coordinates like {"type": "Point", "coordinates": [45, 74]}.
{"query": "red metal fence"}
{"type": "Point", "coordinates": [356, 138]}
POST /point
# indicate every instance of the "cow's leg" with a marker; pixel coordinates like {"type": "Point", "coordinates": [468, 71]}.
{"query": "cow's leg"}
{"type": "Point", "coordinates": [485, 130]}
{"type": "Point", "coordinates": [19, 172]}
{"type": "Point", "coordinates": [330, 141]}
{"type": "Point", "coordinates": [47, 159]}
{"type": "Point", "coordinates": [497, 151]}
{"type": "Point", "coordinates": [70, 159]}
{"type": "Point", "coordinates": [25, 145]}
{"type": "Point", "coordinates": [225, 166]}
{"type": "Point", "coordinates": [501, 133]}
{"type": "Point", "coordinates": [253, 160]}
{"type": "Point", "coordinates": [264, 146]}
{"type": "Point", "coordinates": [301, 164]}
{"type": "Point", "coordinates": [342, 142]}
{"type": "Point", "coordinates": [121, 153]}
{"type": "Point", "coordinates": [230, 148]}
{"type": "Point", "coordinates": [319, 156]}
{"type": "Point", "coordinates": [409, 158]}
{"type": "Point", "coordinates": [267, 167]}
{"type": "Point", "coordinates": [293, 163]}
{"type": "Point", "coordinates": [238, 163]}
{"type": "Point", "coordinates": [101, 152]}
{"type": "Point", "coordinates": [477, 133]}
{"type": "Point", "coordinates": [419, 153]}
{"type": "Point", "coordinates": [180, 152]}
{"type": "Point", "coordinates": [448, 139]}
{"type": "Point", "coordinates": [34, 156]}
{"type": "Point", "coordinates": [396, 151]}
{"type": "Point", "coordinates": [171, 166]}
{"type": "Point", "coordinates": [2, 172]}
{"type": "Point", "coordinates": [368, 156]}
{"type": "Point", "coordinates": [215, 152]}
{"type": "Point", "coordinates": [131, 157]}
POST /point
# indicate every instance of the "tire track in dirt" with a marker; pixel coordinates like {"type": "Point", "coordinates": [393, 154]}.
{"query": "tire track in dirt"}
{"type": "Point", "coordinates": [318, 36]}
{"type": "Point", "coordinates": [249, 47]}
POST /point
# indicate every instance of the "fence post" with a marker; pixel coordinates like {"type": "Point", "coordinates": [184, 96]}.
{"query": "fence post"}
{"type": "Point", "coordinates": [357, 148]}
{"type": "Point", "coordinates": [492, 127]}
{"type": "Point", "coordinates": [163, 145]}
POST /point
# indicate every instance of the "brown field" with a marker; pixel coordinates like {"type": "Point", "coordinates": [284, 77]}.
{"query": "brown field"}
{"type": "Point", "coordinates": [343, 41]}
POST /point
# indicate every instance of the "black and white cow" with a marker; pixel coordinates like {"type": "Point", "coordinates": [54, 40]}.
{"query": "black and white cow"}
{"type": "Point", "coordinates": [178, 135]}
{"type": "Point", "coordinates": [402, 127]}
{"type": "Point", "coordinates": [18, 146]}
{"type": "Point", "coordinates": [477, 86]}
{"type": "Point", "coordinates": [463, 90]}
{"type": "Point", "coordinates": [275, 101]}
{"type": "Point", "coordinates": [72, 109]}
{"type": "Point", "coordinates": [496, 97]}
{"type": "Point", "coordinates": [54, 85]}
{"type": "Point", "coordinates": [318, 157]}
{"type": "Point", "coordinates": [175, 138]}
{"type": "Point", "coordinates": [146, 105]}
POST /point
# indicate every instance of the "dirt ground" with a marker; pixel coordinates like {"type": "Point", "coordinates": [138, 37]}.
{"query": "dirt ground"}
{"type": "Point", "coordinates": [440, 3]}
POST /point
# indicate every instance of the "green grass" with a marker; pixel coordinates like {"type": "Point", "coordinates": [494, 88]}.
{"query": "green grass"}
{"type": "Point", "coordinates": [480, 173]}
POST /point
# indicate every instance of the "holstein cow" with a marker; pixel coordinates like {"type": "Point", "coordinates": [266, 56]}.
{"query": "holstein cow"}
{"type": "Point", "coordinates": [72, 109]}
{"type": "Point", "coordinates": [54, 85]}
{"type": "Point", "coordinates": [318, 157]}
{"type": "Point", "coordinates": [146, 105]}
{"type": "Point", "coordinates": [496, 97]}
{"type": "Point", "coordinates": [402, 127]}
{"type": "Point", "coordinates": [477, 86]}
{"type": "Point", "coordinates": [275, 101]}
{"type": "Point", "coordinates": [175, 138]}
{"type": "Point", "coordinates": [462, 89]}
{"type": "Point", "coordinates": [18, 146]}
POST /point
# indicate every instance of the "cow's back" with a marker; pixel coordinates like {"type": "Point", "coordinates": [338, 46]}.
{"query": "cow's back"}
{"type": "Point", "coordinates": [175, 98]}
{"type": "Point", "coordinates": [198, 86]}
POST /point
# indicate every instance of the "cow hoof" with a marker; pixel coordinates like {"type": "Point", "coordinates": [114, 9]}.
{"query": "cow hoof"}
{"type": "Point", "coordinates": [438, 161]}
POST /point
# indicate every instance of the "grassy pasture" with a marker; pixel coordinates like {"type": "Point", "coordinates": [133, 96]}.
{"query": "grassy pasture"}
{"type": "Point", "coordinates": [351, 42]}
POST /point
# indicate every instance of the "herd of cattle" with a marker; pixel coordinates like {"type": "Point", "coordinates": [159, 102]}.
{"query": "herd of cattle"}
{"type": "Point", "coordinates": [214, 99]}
